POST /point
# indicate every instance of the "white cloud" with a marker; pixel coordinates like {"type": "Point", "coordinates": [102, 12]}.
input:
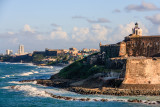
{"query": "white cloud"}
{"type": "Point", "coordinates": [78, 17]}
{"type": "Point", "coordinates": [98, 32]}
{"type": "Point", "coordinates": [27, 28]}
{"type": "Point", "coordinates": [124, 30]}
{"type": "Point", "coordinates": [100, 20]}
{"type": "Point", "coordinates": [116, 11]}
{"type": "Point", "coordinates": [40, 37]}
{"type": "Point", "coordinates": [58, 33]}
{"type": "Point", "coordinates": [95, 33]}
{"type": "Point", "coordinates": [55, 25]}
{"type": "Point", "coordinates": [154, 19]}
{"type": "Point", "coordinates": [11, 33]}
{"type": "Point", "coordinates": [14, 41]}
{"type": "Point", "coordinates": [142, 7]}
{"type": "Point", "coordinates": [80, 34]}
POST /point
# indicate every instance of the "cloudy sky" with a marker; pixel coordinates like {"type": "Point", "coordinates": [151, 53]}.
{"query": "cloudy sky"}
{"type": "Point", "coordinates": [59, 24]}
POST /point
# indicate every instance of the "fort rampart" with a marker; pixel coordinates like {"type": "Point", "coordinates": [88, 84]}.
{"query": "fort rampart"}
{"type": "Point", "coordinates": [142, 73]}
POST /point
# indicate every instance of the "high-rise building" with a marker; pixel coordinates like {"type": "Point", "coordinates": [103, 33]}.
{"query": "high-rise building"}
{"type": "Point", "coordinates": [21, 50]}
{"type": "Point", "coordinates": [9, 52]}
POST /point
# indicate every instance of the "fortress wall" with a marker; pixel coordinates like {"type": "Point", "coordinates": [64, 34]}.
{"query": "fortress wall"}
{"type": "Point", "coordinates": [143, 46]}
{"type": "Point", "coordinates": [110, 50]}
{"type": "Point", "coordinates": [142, 73]}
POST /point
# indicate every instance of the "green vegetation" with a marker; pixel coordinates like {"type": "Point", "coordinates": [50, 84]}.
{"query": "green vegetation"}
{"type": "Point", "coordinates": [80, 70]}
{"type": "Point", "coordinates": [38, 57]}
{"type": "Point", "coordinates": [6, 58]}
{"type": "Point", "coordinates": [75, 70]}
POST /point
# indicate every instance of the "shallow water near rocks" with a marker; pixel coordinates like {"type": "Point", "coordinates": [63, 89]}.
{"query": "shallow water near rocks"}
{"type": "Point", "coordinates": [31, 94]}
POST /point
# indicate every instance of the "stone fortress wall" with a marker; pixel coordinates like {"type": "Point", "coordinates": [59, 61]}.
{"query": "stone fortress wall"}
{"type": "Point", "coordinates": [143, 46]}
{"type": "Point", "coordinates": [134, 45]}
{"type": "Point", "coordinates": [140, 56]}
{"type": "Point", "coordinates": [147, 46]}
{"type": "Point", "coordinates": [141, 73]}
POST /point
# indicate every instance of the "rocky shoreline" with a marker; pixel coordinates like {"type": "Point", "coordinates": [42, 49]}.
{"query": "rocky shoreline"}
{"type": "Point", "coordinates": [114, 91]}
{"type": "Point", "coordinates": [88, 89]}
{"type": "Point", "coordinates": [67, 98]}
{"type": "Point", "coordinates": [65, 84]}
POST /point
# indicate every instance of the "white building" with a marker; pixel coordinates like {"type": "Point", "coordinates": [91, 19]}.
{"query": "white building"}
{"type": "Point", "coordinates": [9, 52]}
{"type": "Point", "coordinates": [21, 50]}
{"type": "Point", "coordinates": [136, 30]}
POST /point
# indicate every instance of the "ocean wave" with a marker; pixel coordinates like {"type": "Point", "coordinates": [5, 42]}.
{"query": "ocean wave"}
{"type": "Point", "coordinates": [34, 71]}
{"type": "Point", "coordinates": [15, 82]}
{"type": "Point", "coordinates": [26, 74]}
{"type": "Point", "coordinates": [29, 64]}
{"type": "Point", "coordinates": [31, 91]}
{"type": "Point", "coordinates": [60, 94]}
{"type": "Point", "coordinates": [51, 67]}
{"type": "Point", "coordinates": [7, 76]}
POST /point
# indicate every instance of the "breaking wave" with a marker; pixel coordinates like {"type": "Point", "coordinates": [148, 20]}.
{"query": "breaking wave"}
{"type": "Point", "coordinates": [62, 94]}
{"type": "Point", "coordinates": [31, 91]}
{"type": "Point", "coordinates": [28, 73]}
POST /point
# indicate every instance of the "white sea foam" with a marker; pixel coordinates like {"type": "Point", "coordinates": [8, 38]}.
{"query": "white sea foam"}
{"type": "Point", "coordinates": [15, 82]}
{"type": "Point", "coordinates": [30, 64]}
{"type": "Point", "coordinates": [62, 92]}
{"type": "Point", "coordinates": [7, 87]}
{"type": "Point", "coordinates": [6, 76]}
{"type": "Point", "coordinates": [32, 91]}
{"type": "Point", "coordinates": [51, 67]}
{"type": "Point", "coordinates": [34, 71]}
{"type": "Point", "coordinates": [26, 73]}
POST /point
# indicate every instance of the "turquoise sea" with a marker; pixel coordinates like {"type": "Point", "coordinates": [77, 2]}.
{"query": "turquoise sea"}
{"type": "Point", "coordinates": [33, 95]}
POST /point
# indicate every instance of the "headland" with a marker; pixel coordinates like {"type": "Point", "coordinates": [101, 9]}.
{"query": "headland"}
{"type": "Point", "coordinates": [130, 67]}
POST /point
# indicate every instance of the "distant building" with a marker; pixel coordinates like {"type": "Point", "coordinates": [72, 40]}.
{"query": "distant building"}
{"type": "Point", "coordinates": [39, 52]}
{"type": "Point", "coordinates": [54, 52]}
{"type": "Point", "coordinates": [21, 50]}
{"type": "Point", "coordinates": [85, 50]}
{"type": "Point", "coordinates": [72, 49]}
{"type": "Point", "coordinates": [9, 52]}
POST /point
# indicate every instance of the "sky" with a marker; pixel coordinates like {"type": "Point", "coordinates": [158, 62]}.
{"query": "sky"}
{"type": "Point", "coordinates": [61, 24]}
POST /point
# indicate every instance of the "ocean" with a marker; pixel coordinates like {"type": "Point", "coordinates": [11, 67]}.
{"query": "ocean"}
{"type": "Point", "coordinates": [33, 95]}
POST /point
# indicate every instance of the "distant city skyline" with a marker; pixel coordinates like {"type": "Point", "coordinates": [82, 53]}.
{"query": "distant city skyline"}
{"type": "Point", "coordinates": [40, 24]}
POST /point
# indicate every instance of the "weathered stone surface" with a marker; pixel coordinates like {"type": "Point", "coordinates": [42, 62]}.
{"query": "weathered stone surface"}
{"type": "Point", "coordinates": [142, 73]}
{"type": "Point", "coordinates": [143, 46]}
